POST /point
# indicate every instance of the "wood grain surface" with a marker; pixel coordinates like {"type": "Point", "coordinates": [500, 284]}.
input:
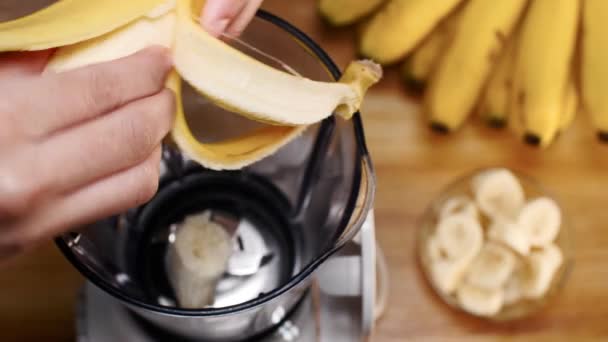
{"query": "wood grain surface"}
{"type": "Point", "coordinates": [38, 290]}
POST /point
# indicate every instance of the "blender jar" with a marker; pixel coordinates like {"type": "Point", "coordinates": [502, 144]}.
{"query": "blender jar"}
{"type": "Point", "coordinates": [288, 212]}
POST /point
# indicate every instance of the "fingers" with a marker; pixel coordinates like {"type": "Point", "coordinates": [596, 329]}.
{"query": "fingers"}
{"type": "Point", "coordinates": [106, 145]}
{"type": "Point", "coordinates": [228, 16]}
{"type": "Point", "coordinates": [100, 199]}
{"type": "Point", "coordinates": [238, 25]}
{"type": "Point", "coordinates": [74, 96]}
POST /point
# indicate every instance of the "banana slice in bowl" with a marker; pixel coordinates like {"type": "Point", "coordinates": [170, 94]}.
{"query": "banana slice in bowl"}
{"type": "Point", "coordinates": [495, 244]}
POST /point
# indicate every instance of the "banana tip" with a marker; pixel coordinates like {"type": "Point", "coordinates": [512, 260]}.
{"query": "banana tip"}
{"type": "Point", "coordinates": [439, 127]}
{"type": "Point", "coordinates": [602, 136]}
{"type": "Point", "coordinates": [415, 85]}
{"type": "Point", "coordinates": [496, 122]}
{"type": "Point", "coordinates": [532, 139]}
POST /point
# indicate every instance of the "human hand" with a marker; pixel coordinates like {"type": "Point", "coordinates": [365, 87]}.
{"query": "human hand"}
{"type": "Point", "coordinates": [85, 144]}
{"type": "Point", "coordinates": [80, 145]}
{"type": "Point", "coordinates": [228, 16]}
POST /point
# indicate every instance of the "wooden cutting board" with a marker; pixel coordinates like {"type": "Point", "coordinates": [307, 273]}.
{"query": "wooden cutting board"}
{"type": "Point", "coordinates": [38, 290]}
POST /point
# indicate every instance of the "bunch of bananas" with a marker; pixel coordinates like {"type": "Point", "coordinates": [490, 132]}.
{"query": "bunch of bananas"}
{"type": "Point", "coordinates": [526, 64]}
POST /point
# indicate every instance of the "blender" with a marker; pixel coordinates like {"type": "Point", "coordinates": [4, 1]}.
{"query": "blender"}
{"type": "Point", "coordinates": [303, 257]}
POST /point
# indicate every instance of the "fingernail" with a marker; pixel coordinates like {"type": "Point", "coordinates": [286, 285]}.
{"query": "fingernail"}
{"type": "Point", "coordinates": [217, 27]}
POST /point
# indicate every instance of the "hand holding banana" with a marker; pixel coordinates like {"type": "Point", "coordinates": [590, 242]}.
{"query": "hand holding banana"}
{"type": "Point", "coordinates": [85, 144]}
{"type": "Point", "coordinates": [512, 63]}
{"type": "Point", "coordinates": [84, 125]}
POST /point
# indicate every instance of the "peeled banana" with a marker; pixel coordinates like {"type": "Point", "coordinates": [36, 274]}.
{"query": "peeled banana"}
{"type": "Point", "coordinates": [399, 26]}
{"type": "Point", "coordinates": [542, 67]}
{"type": "Point", "coordinates": [594, 65]}
{"type": "Point", "coordinates": [196, 260]}
{"type": "Point", "coordinates": [481, 34]}
{"type": "Point", "coordinates": [88, 32]}
{"type": "Point", "coordinates": [345, 12]}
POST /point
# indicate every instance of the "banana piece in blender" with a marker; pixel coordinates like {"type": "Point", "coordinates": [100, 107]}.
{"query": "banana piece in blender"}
{"type": "Point", "coordinates": [197, 259]}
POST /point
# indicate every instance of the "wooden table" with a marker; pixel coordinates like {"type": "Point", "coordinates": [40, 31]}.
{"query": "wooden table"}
{"type": "Point", "coordinates": [38, 290]}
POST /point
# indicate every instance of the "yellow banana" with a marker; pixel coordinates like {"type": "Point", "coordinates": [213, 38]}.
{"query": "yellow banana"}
{"type": "Point", "coordinates": [594, 66]}
{"type": "Point", "coordinates": [346, 12]}
{"type": "Point", "coordinates": [418, 67]}
{"type": "Point", "coordinates": [399, 26]}
{"type": "Point", "coordinates": [569, 107]}
{"type": "Point", "coordinates": [542, 67]}
{"type": "Point", "coordinates": [494, 106]}
{"type": "Point", "coordinates": [224, 74]}
{"type": "Point", "coordinates": [455, 86]}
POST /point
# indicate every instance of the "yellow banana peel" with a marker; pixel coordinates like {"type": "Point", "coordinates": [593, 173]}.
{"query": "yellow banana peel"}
{"type": "Point", "coordinates": [594, 64]}
{"type": "Point", "coordinates": [399, 26]}
{"type": "Point", "coordinates": [454, 88]}
{"type": "Point", "coordinates": [345, 12]}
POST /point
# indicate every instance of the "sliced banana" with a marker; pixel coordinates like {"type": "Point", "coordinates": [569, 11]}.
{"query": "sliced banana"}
{"type": "Point", "coordinates": [542, 267]}
{"type": "Point", "coordinates": [510, 234]}
{"type": "Point", "coordinates": [458, 205]}
{"type": "Point", "coordinates": [447, 275]}
{"type": "Point", "coordinates": [513, 291]}
{"type": "Point", "coordinates": [498, 194]}
{"type": "Point", "coordinates": [478, 301]}
{"type": "Point", "coordinates": [197, 259]}
{"type": "Point", "coordinates": [541, 220]}
{"type": "Point", "coordinates": [434, 249]}
{"type": "Point", "coordinates": [460, 236]}
{"type": "Point", "coordinates": [491, 267]}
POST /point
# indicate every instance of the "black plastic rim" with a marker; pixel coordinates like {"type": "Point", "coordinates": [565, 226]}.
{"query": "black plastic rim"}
{"type": "Point", "coordinates": [361, 153]}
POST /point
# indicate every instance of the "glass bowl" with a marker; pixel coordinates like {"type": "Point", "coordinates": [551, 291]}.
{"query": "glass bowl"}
{"type": "Point", "coordinates": [462, 186]}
